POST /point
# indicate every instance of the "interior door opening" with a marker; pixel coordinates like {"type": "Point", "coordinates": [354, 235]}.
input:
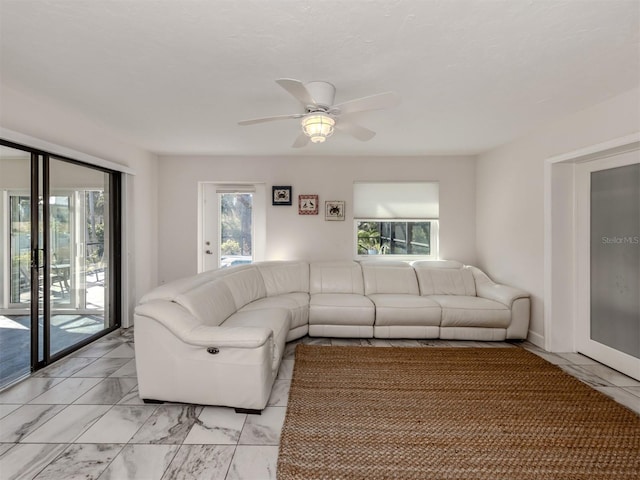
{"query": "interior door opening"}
{"type": "Point", "coordinates": [608, 261]}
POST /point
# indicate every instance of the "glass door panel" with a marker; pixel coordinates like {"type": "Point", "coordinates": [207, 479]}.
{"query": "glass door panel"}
{"type": "Point", "coordinates": [60, 222]}
{"type": "Point", "coordinates": [19, 249]}
{"type": "Point", "coordinates": [79, 232]}
{"type": "Point", "coordinates": [236, 228]}
{"type": "Point", "coordinates": [608, 261]}
{"type": "Point", "coordinates": [15, 264]}
{"type": "Point", "coordinates": [96, 258]}
{"type": "Point", "coordinates": [615, 258]}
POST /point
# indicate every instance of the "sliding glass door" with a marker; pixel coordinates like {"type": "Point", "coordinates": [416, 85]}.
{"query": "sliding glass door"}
{"type": "Point", "coordinates": [79, 233]}
{"type": "Point", "coordinates": [15, 264]}
{"type": "Point", "coordinates": [59, 258]}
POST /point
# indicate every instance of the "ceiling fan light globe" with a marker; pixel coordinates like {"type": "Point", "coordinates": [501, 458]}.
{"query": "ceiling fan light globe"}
{"type": "Point", "coordinates": [318, 127]}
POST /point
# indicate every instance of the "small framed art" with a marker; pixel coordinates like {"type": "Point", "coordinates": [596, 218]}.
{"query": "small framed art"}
{"type": "Point", "coordinates": [307, 204]}
{"type": "Point", "coordinates": [334, 210]}
{"type": "Point", "coordinates": [281, 195]}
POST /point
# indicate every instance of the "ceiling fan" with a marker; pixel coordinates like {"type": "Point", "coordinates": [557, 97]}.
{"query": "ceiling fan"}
{"type": "Point", "coordinates": [321, 117]}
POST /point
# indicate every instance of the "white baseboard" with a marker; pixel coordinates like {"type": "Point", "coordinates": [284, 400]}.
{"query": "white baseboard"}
{"type": "Point", "coordinates": [536, 339]}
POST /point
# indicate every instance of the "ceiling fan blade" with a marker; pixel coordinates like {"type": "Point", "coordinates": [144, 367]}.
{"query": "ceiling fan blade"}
{"type": "Point", "coordinates": [301, 141]}
{"type": "Point", "coordinates": [373, 102]}
{"type": "Point", "coordinates": [270, 119]}
{"type": "Point", "coordinates": [356, 131]}
{"type": "Point", "coordinates": [297, 89]}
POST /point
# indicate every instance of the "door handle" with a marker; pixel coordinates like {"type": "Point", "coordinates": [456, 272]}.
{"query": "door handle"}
{"type": "Point", "coordinates": [208, 252]}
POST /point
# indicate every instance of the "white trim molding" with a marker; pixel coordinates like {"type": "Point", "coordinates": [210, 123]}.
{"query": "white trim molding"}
{"type": "Point", "coordinates": [560, 210]}
{"type": "Point", "coordinates": [38, 144]}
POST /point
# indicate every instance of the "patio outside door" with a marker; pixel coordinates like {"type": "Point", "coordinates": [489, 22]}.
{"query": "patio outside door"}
{"type": "Point", "coordinates": [231, 225]}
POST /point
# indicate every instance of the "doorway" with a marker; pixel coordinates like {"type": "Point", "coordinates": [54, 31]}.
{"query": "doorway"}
{"type": "Point", "coordinates": [608, 261]}
{"type": "Point", "coordinates": [232, 225]}
{"type": "Point", "coordinates": [59, 270]}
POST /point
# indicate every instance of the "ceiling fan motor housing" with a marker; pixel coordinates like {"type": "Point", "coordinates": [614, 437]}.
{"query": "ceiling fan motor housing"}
{"type": "Point", "coordinates": [323, 93]}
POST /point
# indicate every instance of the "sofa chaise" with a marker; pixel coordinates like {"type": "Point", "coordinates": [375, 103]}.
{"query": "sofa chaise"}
{"type": "Point", "coordinates": [217, 338]}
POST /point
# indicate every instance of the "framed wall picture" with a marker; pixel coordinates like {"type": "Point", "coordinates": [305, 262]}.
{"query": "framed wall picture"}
{"type": "Point", "coordinates": [307, 204]}
{"type": "Point", "coordinates": [281, 195]}
{"type": "Point", "coordinates": [334, 210]}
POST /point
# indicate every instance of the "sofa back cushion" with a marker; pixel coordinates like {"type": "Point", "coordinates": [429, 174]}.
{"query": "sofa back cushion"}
{"type": "Point", "coordinates": [438, 263]}
{"type": "Point", "coordinates": [211, 303]}
{"type": "Point", "coordinates": [445, 281]}
{"type": "Point", "coordinates": [246, 285]}
{"type": "Point", "coordinates": [335, 277]}
{"type": "Point", "coordinates": [389, 277]}
{"type": "Point", "coordinates": [170, 290]}
{"type": "Point", "coordinates": [284, 277]}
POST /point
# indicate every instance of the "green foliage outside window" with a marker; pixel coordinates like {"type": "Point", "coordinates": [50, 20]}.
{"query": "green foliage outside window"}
{"type": "Point", "coordinates": [394, 238]}
{"type": "Point", "coordinates": [236, 213]}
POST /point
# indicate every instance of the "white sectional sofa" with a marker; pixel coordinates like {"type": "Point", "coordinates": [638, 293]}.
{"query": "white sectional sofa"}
{"type": "Point", "coordinates": [217, 338]}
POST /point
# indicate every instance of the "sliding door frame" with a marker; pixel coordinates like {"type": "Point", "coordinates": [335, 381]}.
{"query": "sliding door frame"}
{"type": "Point", "coordinates": [39, 248]}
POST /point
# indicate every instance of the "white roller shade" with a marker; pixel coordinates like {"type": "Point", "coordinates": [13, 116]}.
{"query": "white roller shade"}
{"type": "Point", "coordinates": [234, 188]}
{"type": "Point", "coordinates": [400, 200]}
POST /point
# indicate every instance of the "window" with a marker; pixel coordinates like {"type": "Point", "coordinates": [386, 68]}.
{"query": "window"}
{"type": "Point", "coordinates": [399, 218]}
{"type": "Point", "coordinates": [236, 228]}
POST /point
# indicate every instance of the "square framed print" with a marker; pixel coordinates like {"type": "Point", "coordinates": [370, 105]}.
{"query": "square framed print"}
{"type": "Point", "coordinates": [334, 210]}
{"type": "Point", "coordinates": [281, 195]}
{"type": "Point", "coordinates": [307, 204]}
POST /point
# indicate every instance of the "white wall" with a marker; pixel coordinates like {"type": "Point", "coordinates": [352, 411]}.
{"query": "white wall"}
{"type": "Point", "coordinates": [501, 193]}
{"type": "Point", "coordinates": [48, 121]}
{"type": "Point", "coordinates": [510, 193]}
{"type": "Point", "coordinates": [293, 236]}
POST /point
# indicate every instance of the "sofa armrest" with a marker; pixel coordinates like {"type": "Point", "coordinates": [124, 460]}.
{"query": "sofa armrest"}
{"type": "Point", "coordinates": [501, 293]}
{"type": "Point", "coordinates": [189, 330]}
{"type": "Point", "coordinates": [487, 288]}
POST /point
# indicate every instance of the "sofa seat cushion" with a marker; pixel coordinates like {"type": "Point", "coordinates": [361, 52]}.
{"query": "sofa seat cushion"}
{"type": "Point", "coordinates": [297, 303]}
{"type": "Point", "coordinates": [401, 309]}
{"type": "Point", "coordinates": [467, 311]}
{"type": "Point", "coordinates": [276, 319]}
{"type": "Point", "coordinates": [340, 309]}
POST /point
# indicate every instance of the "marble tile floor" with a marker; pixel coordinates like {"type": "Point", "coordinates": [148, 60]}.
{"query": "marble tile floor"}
{"type": "Point", "coordinates": [15, 339]}
{"type": "Point", "coordinates": [81, 418]}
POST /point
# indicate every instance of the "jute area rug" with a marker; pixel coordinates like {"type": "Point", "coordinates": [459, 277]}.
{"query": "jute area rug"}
{"type": "Point", "coordinates": [449, 413]}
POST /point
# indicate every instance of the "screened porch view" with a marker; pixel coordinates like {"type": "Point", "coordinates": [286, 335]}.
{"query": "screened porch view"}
{"type": "Point", "coordinates": [77, 284]}
{"type": "Point", "coordinates": [394, 238]}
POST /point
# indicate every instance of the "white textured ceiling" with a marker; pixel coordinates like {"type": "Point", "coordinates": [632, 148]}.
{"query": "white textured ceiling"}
{"type": "Point", "coordinates": [176, 76]}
